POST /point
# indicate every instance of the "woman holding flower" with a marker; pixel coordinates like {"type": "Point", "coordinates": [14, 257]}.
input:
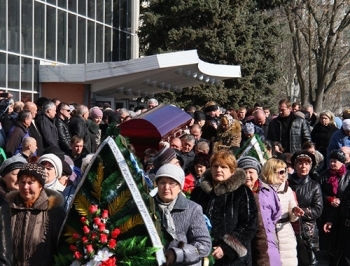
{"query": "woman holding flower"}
{"type": "Point", "coordinates": [182, 220]}
{"type": "Point", "coordinates": [36, 218]}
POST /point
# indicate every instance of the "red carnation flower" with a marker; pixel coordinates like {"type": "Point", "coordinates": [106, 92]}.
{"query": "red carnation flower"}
{"type": "Point", "coordinates": [93, 209]}
{"type": "Point", "coordinates": [103, 238]}
{"type": "Point", "coordinates": [97, 221]}
{"type": "Point", "coordinates": [104, 214]}
{"type": "Point", "coordinates": [78, 255]}
{"type": "Point", "coordinates": [86, 230]}
{"type": "Point", "coordinates": [112, 243]}
{"type": "Point", "coordinates": [76, 236]}
{"type": "Point", "coordinates": [85, 240]}
{"type": "Point", "coordinates": [101, 227]}
{"type": "Point", "coordinates": [109, 262]}
{"type": "Point", "coordinates": [115, 233]}
{"type": "Point", "coordinates": [73, 248]}
{"type": "Point", "coordinates": [89, 249]}
{"type": "Point", "coordinates": [83, 220]}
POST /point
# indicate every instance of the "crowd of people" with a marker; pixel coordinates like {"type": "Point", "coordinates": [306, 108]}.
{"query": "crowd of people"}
{"type": "Point", "coordinates": [243, 187]}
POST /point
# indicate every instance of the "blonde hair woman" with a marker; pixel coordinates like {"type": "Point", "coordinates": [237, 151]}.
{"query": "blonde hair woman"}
{"type": "Point", "coordinates": [274, 172]}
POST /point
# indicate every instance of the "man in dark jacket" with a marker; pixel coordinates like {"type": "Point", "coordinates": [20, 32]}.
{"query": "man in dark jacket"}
{"type": "Point", "coordinates": [61, 122]}
{"type": "Point", "coordinates": [46, 126]}
{"type": "Point", "coordinates": [78, 126]}
{"type": "Point", "coordinates": [33, 130]}
{"type": "Point", "coordinates": [291, 131]}
{"type": "Point", "coordinates": [18, 133]}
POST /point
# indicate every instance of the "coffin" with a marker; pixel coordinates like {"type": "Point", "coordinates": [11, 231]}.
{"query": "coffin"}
{"type": "Point", "coordinates": [161, 123]}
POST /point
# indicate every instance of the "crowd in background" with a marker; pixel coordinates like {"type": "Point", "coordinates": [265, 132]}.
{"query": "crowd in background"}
{"type": "Point", "coordinates": [244, 186]}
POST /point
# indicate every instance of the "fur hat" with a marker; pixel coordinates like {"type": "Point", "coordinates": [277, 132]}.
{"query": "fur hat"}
{"type": "Point", "coordinates": [303, 154]}
{"type": "Point", "coordinates": [202, 159]}
{"type": "Point", "coordinates": [33, 169]}
{"type": "Point", "coordinates": [338, 155]}
{"type": "Point", "coordinates": [96, 112]}
{"type": "Point", "coordinates": [55, 161]}
{"type": "Point", "coordinates": [164, 156]}
{"type": "Point", "coordinates": [248, 128]}
{"type": "Point", "coordinates": [247, 162]}
{"type": "Point", "coordinates": [12, 163]}
{"type": "Point", "coordinates": [346, 124]}
{"type": "Point", "coordinates": [172, 171]}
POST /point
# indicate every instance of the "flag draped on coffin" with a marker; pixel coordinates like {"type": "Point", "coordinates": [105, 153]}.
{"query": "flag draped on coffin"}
{"type": "Point", "coordinates": [114, 183]}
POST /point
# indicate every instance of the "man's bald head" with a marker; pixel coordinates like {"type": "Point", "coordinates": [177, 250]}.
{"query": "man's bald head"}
{"type": "Point", "coordinates": [259, 117]}
{"type": "Point", "coordinates": [30, 106]}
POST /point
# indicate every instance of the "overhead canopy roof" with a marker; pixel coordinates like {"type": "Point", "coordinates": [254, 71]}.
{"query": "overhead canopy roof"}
{"type": "Point", "coordinates": [144, 76]}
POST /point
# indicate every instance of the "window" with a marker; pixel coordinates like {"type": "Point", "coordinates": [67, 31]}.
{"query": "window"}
{"type": "Point", "coordinates": [72, 39]}
{"type": "Point", "coordinates": [39, 29]}
{"type": "Point", "coordinates": [26, 75]}
{"type": "Point", "coordinates": [51, 33]}
{"type": "Point", "coordinates": [13, 25]}
{"type": "Point", "coordinates": [13, 71]}
{"type": "Point", "coordinates": [61, 36]}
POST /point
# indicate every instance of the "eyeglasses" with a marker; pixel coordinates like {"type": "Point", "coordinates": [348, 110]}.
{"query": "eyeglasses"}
{"type": "Point", "coordinates": [171, 184]}
{"type": "Point", "coordinates": [281, 172]}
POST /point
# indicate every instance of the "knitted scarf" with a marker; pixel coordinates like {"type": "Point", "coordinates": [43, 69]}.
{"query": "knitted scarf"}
{"type": "Point", "coordinates": [167, 219]}
{"type": "Point", "coordinates": [334, 176]}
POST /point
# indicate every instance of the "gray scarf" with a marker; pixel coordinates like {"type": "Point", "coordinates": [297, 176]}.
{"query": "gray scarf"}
{"type": "Point", "coordinates": [167, 219]}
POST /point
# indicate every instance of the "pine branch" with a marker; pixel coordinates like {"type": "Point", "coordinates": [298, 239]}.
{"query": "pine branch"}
{"type": "Point", "coordinates": [118, 203]}
{"type": "Point", "coordinates": [82, 204]}
{"type": "Point", "coordinates": [130, 223]}
{"type": "Point", "coordinates": [96, 185]}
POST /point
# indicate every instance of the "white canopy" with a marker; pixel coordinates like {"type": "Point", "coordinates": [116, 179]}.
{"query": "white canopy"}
{"type": "Point", "coordinates": [144, 76]}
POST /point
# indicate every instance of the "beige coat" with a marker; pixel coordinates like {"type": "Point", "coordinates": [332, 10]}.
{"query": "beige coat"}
{"type": "Point", "coordinates": [35, 230]}
{"type": "Point", "coordinates": [287, 244]}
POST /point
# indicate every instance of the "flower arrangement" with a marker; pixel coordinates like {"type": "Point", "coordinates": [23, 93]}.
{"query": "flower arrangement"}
{"type": "Point", "coordinates": [98, 244]}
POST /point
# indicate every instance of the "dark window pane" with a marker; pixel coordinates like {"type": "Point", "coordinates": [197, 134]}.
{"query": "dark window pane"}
{"type": "Point", "coordinates": [108, 47]}
{"type": "Point", "coordinates": [108, 12]}
{"type": "Point", "coordinates": [99, 10]}
{"type": "Point", "coordinates": [39, 28]}
{"type": "Point", "coordinates": [36, 75]}
{"type": "Point", "coordinates": [2, 25]}
{"type": "Point", "coordinates": [91, 9]}
{"type": "Point", "coordinates": [72, 39]}
{"type": "Point", "coordinates": [13, 71]}
{"type": "Point", "coordinates": [61, 36]}
{"type": "Point", "coordinates": [51, 1]}
{"type": "Point", "coordinates": [81, 40]}
{"type": "Point", "coordinates": [27, 28]}
{"type": "Point", "coordinates": [72, 5]}
{"type": "Point", "coordinates": [2, 70]}
{"type": "Point", "coordinates": [26, 78]}
{"type": "Point", "coordinates": [62, 3]}
{"type": "Point", "coordinates": [91, 42]}
{"type": "Point", "coordinates": [99, 43]}
{"type": "Point", "coordinates": [51, 33]}
{"type": "Point", "coordinates": [121, 44]}
{"type": "Point", "coordinates": [13, 25]}
{"type": "Point", "coordinates": [82, 7]}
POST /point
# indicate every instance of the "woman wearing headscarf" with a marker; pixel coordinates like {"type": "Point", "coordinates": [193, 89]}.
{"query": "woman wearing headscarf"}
{"type": "Point", "coordinates": [36, 218]}
{"type": "Point", "coordinates": [322, 132]}
{"type": "Point", "coordinates": [53, 167]}
{"type": "Point", "coordinates": [93, 123]}
{"type": "Point", "coordinates": [228, 134]}
{"type": "Point", "coordinates": [334, 182]}
{"type": "Point", "coordinates": [231, 209]}
{"type": "Point", "coordinates": [269, 211]}
{"type": "Point", "coordinates": [8, 171]}
{"type": "Point", "coordinates": [274, 173]}
{"type": "Point", "coordinates": [182, 221]}
{"type": "Point", "coordinates": [309, 196]}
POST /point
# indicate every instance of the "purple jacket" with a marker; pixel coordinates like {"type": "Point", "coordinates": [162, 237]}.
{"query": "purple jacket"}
{"type": "Point", "coordinates": [271, 212]}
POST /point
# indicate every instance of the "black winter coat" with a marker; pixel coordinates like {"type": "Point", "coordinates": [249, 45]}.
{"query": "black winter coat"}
{"type": "Point", "coordinates": [328, 194]}
{"type": "Point", "coordinates": [299, 132]}
{"type": "Point", "coordinates": [63, 134]}
{"type": "Point", "coordinates": [232, 210]}
{"type": "Point", "coordinates": [35, 133]}
{"type": "Point", "coordinates": [48, 130]}
{"type": "Point", "coordinates": [6, 253]}
{"type": "Point", "coordinates": [309, 196]}
{"type": "Point", "coordinates": [77, 126]}
{"type": "Point", "coordinates": [321, 136]}
{"type": "Point", "coordinates": [15, 139]}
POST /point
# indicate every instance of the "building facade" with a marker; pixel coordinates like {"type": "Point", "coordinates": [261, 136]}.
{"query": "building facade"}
{"type": "Point", "coordinates": [59, 32]}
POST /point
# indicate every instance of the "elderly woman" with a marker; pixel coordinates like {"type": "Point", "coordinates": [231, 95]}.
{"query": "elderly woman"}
{"type": "Point", "coordinates": [228, 134]}
{"type": "Point", "coordinates": [309, 196]}
{"type": "Point", "coordinates": [334, 182]}
{"type": "Point", "coordinates": [269, 209]}
{"type": "Point", "coordinates": [8, 171]}
{"type": "Point", "coordinates": [182, 220]}
{"type": "Point", "coordinates": [231, 208]}
{"type": "Point", "coordinates": [274, 173]}
{"type": "Point", "coordinates": [36, 218]}
{"type": "Point", "coordinates": [53, 168]}
{"type": "Point", "coordinates": [322, 132]}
